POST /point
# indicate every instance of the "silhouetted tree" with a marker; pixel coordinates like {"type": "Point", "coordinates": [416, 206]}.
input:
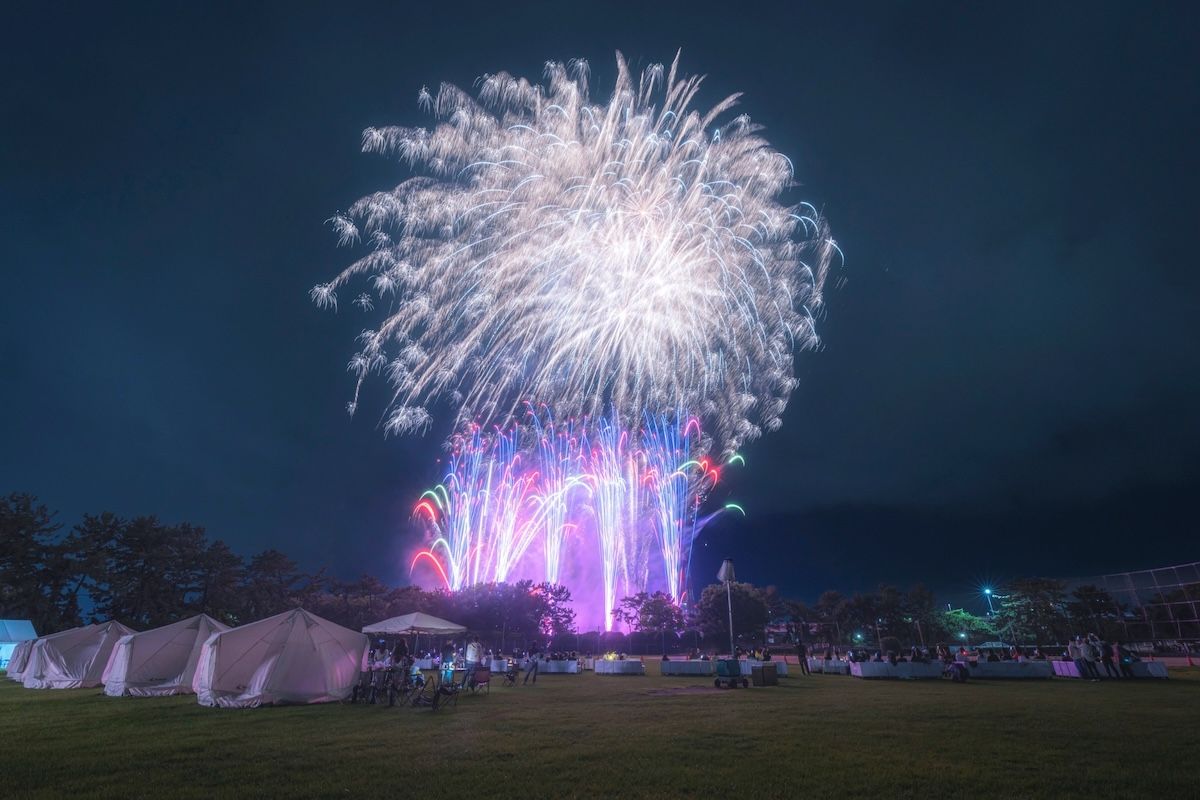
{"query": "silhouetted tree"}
{"type": "Point", "coordinates": [27, 539]}
{"type": "Point", "coordinates": [651, 613]}
{"type": "Point", "coordinates": [1034, 608]}
{"type": "Point", "coordinates": [219, 580]}
{"type": "Point", "coordinates": [271, 585]}
{"type": "Point", "coordinates": [749, 611]}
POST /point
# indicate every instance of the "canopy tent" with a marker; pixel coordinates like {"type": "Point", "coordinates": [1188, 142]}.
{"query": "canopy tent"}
{"type": "Point", "coordinates": [72, 659]}
{"type": "Point", "coordinates": [13, 634]}
{"type": "Point", "coordinates": [294, 657]}
{"type": "Point", "coordinates": [161, 661]}
{"type": "Point", "coordinates": [415, 623]}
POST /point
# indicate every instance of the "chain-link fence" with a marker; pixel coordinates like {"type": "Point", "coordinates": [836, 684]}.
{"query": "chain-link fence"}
{"type": "Point", "coordinates": [1147, 605]}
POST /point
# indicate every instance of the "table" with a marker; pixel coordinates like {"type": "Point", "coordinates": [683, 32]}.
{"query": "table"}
{"type": "Point", "coordinates": [692, 667]}
{"type": "Point", "coordinates": [830, 666]}
{"type": "Point", "coordinates": [627, 667]}
{"type": "Point", "coordinates": [749, 664]}
{"type": "Point", "coordinates": [905, 670]}
{"type": "Point", "coordinates": [1140, 669]}
{"type": "Point", "coordinates": [424, 663]}
{"type": "Point", "coordinates": [587, 663]}
{"type": "Point", "coordinates": [566, 666]}
{"type": "Point", "coordinates": [499, 665]}
{"type": "Point", "coordinates": [1006, 670]}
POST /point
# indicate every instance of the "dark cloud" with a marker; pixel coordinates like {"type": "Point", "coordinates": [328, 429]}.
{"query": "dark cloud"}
{"type": "Point", "coordinates": [1008, 379]}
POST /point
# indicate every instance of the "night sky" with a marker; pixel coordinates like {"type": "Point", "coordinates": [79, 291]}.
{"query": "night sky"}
{"type": "Point", "coordinates": [1008, 381]}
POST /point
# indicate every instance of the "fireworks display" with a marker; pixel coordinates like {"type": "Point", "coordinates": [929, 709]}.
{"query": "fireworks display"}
{"type": "Point", "coordinates": [629, 266]}
{"type": "Point", "coordinates": [631, 499]}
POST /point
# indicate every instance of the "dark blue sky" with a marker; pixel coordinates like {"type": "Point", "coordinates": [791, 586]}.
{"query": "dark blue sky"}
{"type": "Point", "coordinates": [1008, 383]}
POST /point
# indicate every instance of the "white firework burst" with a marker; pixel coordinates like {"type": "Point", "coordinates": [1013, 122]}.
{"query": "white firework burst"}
{"type": "Point", "coordinates": [634, 256]}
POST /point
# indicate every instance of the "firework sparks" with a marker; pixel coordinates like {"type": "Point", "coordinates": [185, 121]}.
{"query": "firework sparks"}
{"type": "Point", "coordinates": [632, 256]}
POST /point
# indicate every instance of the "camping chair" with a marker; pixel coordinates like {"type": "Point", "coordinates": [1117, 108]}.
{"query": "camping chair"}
{"type": "Point", "coordinates": [510, 675]}
{"type": "Point", "coordinates": [481, 681]}
{"type": "Point", "coordinates": [379, 682]}
{"type": "Point", "coordinates": [362, 688]}
{"type": "Point", "coordinates": [424, 695]}
{"type": "Point", "coordinates": [446, 695]}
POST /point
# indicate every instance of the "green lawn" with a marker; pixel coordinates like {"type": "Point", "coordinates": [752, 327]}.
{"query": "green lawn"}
{"type": "Point", "coordinates": [823, 736]}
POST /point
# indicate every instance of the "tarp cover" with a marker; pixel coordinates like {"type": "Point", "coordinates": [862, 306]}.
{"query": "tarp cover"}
{"type": "Point", "coordinates": [415, 623]}
{"type": "Point", "coordinates": [18, 658]}
{"type": "Point", "coordinates": [294, 657]}
{"type": "Point", "coordinates": [13, 634]}
{"type": "Point", "coordinates": [161, 661]}
{"type": "Point", "coordinates": [72, 659]}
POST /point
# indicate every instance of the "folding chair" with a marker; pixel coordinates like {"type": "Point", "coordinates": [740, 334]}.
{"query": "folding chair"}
{"type": "Point", "coordinates": [510, 675]}
{"type": "Point", "coordinates": [481, 680]}
{"type": "Point", "coordinates": [446, 694]}
{"type": "Point", "coordinates": [362, 688]}
{"type": "Point", "coordinates": [424, 695]}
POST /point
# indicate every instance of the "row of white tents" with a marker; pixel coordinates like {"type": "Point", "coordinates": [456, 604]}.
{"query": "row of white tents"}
{"type": "Point", "coordinates": [294, 657]}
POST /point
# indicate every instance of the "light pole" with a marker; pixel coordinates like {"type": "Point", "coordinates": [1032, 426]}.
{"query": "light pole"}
{"type": "Point", "coordinates": [725, 574]}
{"type": "Point", "coordinates": [987, 592]}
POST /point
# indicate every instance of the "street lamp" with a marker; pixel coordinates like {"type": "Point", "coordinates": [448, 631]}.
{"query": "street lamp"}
{"type": "Point", "coordinates": [987, 592]}
{"type": "Point", "coordinates": [725, 575]}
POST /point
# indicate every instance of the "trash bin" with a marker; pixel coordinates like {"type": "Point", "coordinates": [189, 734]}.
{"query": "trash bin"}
{"type": "Point", "coordinates": [764, 675]}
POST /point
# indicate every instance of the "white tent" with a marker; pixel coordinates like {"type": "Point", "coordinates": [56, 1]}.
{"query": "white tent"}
{"type": "Point", "coordinates": [21, 655]}
{"type": "Point", "coordinates": [14, 633]}
{"type": "Point", "coordinates": [18, 660]}
{"type": "Point", "coordinates": [161, 661]}
{"type": "Point", "coordinates": [72, 659]}
{"type": "Point", "coordinates": [294, 657]}
{"type": "Point", "coordinates": [415, 623]}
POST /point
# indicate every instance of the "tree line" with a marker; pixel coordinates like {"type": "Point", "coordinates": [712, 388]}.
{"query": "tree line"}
{"type": "Point", "coordinates": [144, 573]}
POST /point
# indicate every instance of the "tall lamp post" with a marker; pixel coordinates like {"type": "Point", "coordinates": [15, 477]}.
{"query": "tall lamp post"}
{"type": "Point", "coordinates": [987, 592]}
{"type": "Point", "coordinates": [725, 575]}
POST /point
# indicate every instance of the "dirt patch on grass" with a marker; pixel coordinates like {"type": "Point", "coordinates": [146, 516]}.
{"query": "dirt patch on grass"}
{"type": "Point", "coordinates": [673, 690]}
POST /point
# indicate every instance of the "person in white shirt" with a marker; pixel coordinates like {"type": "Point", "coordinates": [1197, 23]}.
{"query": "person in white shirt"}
{"type": "Point", "coordinates": [474, 656]}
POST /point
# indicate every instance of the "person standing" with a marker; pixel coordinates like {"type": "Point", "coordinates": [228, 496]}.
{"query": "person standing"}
{"type": "Point", "coordinates": [1088, 652]}
{"type": "Point", "coordinates": [473, 656]}
{"type": "Point", "coordinates": [532, 667]}
{"type": "Point", "coordinates": [802, 655]}
{"type": "Point", "coordinates": [1075, 653]}
{"type": "Point", "coordinates": [1118, 655]}
{"type": "Point", "coordinates": [1106, 659]}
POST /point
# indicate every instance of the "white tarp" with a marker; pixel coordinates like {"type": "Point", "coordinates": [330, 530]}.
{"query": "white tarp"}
{"type": "Point", "coordinates": [161, 661]}
{"type": "Point", "coordinates": [415, 623]}
{"type": "Point", "coordinates": [19, 658]}
{"type": "Point", "coordinates": [294, 657]}
{"type": "Point", "coordinates": [13, 633]}
{"type": "Point", "coordinates": [72, 659]}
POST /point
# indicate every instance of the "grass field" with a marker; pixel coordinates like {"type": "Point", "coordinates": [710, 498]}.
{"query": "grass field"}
{"type": "Point", "coordinates": [586, 735]}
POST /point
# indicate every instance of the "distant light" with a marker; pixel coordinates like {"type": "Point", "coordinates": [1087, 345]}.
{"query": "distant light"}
{"type": "Point", "coordinates": [858, 637]}
{"type": "Point", "coordinates": [987, 591]}
{"type": "Point", "coordinates": [962, 636]}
